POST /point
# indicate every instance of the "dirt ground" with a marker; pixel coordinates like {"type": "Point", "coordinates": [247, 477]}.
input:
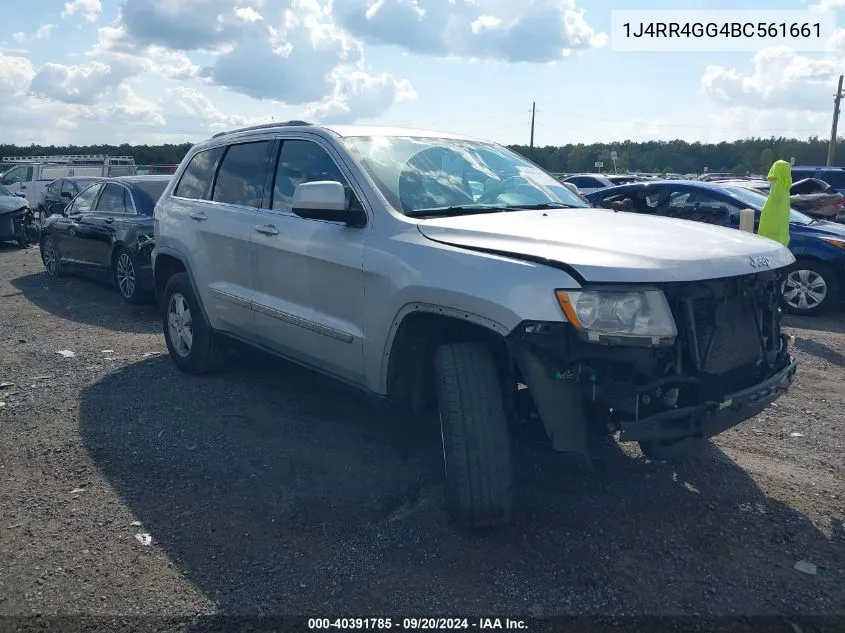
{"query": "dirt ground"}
{"type": "Point", "coordinates": [268, 490]}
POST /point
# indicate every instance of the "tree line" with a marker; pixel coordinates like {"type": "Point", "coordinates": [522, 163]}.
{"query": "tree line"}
{"type": "Point", "coordinates": [754, 155]}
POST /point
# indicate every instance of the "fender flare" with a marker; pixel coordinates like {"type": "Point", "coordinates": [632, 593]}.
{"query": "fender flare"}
{"type": "Point", "coordinates": [172, 252]}
{"type": "Point", "coordinates": [428, 308]}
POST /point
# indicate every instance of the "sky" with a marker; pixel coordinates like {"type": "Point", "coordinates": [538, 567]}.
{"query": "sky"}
{"type": "Point", "coordinates": [156, 71]}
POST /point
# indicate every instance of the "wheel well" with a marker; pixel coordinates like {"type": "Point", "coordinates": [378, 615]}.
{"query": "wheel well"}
{"type": "Point", "coordinates": [165, 267]}
{"type": "Point", "coordinates": [114, 251]}
{"type": "Point", "coordinates": [410, 370]}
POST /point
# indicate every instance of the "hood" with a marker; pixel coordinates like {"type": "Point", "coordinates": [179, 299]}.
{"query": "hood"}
{"type": "Point", "coordinates": [611, 247]}
{"type": "Point", "coordinates": [11, 203]}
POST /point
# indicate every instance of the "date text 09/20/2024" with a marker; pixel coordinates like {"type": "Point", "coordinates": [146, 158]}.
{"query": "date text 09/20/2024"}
{"type": "Point", "coordinates": [416, 624]}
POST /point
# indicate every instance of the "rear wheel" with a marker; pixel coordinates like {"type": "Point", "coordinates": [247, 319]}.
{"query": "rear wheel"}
{"type": "Point", "coordinates": [125, 273]}
{"type": "Point", "coordinates": [476, 440]}
{"type": "Point", "coordinates": [193, 346]}
{"type": "Point", "coordinates": [810, 288]}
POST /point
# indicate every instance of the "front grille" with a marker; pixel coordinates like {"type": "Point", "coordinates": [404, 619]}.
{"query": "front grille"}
{"type": "Point", "coordinates": [727, 335]}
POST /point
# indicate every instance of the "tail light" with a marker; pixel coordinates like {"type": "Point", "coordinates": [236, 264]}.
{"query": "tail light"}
{"type": "Point", "coordinates": [840, 201]}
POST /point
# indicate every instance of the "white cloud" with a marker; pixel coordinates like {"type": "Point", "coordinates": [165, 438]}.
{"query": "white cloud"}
{"type": "Point", "coordinates": [526, 31]}
{"type": "Point", "coordinates": [780, 79]}
{"type": "Point", "coordinates": [19, 37]}
{"type": "Point", "coordinates": [248, 14]}
{"type": "Point", "coordinates": [827, 5]}
{"type": "Point", "coordinates": [359, 95]}
{"type": "Point", "coordinates": [89, 9]}
{"type": "Point", "coordinates": [44, 31]}
{"type": "Point", "coordinates": [83, 84]}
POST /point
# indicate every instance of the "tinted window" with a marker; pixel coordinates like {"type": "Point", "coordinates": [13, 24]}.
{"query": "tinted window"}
{"type": "Point", "coordinates": [196, 180]}
{"type": "Point", "coordinates": [240, 179]}
{"type": "Point", "coordinates": [302, 161]}
{"type": "Point", "coordinates": [69, 187]}
{"type": "Point", "coordinates": [585, 182]}
{"type": "Point", "coordinates": [700, 206]}
{"type": "Point", "coordinates": [113, 199]}
{"type": "Point", "coordinates": [82, 203]}
{"type": "Point", "coordinates": [52, 187]}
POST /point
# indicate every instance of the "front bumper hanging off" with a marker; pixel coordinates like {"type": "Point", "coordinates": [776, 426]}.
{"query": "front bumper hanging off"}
{"type": "Point", "coordinates": [710, 418]}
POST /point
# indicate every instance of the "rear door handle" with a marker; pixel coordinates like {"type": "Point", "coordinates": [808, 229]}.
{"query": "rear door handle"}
{"type": "Point", "coordinates": [199, 216]}
{"type": "Point", "coordinates": [109, 220]}
{"type": "Point", "coordinates": [267, 229]}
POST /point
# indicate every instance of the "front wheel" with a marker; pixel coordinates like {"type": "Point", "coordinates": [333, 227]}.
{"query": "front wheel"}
{"type": "Point", "coordinates": [475, 435]}
{"type": "Point", "coordinates": [193, 346]}
{"type": "Point", "coordinates": [810, 288]}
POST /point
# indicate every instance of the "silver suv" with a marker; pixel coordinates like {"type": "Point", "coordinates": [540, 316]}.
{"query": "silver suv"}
{"type": "Point", "coordinates": [438, 270]}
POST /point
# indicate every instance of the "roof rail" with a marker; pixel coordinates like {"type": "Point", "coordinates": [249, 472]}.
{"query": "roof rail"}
{"type": "Point", "coordinates": [262, 126]}
{"type": "Point", "coordinates": [67, 158]}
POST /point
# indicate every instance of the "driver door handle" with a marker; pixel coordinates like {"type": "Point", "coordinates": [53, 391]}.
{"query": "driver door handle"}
{"type": "Point", "coordinates": [109, 220]}
{"type": "Point", "coordinates": [199, 216]}
{"type": "Point", "coordinates": [267, 229]}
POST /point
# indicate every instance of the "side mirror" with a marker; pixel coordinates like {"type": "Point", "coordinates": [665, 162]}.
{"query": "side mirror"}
{"type": "Point", "coordinates": [66, 194]}
{"type": "Point", "coordinates": [321, 200]}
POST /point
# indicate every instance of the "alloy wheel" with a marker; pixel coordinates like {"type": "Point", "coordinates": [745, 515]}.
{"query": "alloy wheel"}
{"type": "Point", "coordinates": [48, 256]}
{"type": "Point", "coordinates": [125, 273]}
{"type": "Point", "coordinates": [179, 325]}
{"type": "Point", "coordinates": [804, 289]}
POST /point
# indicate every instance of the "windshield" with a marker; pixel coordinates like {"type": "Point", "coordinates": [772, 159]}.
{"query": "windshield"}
{"type": "Point", "coordinates": [4, 191]}
{"type": "Point", "coordinates": [757, 200]}
{"type": "Point", "coordinates": [419, 174]}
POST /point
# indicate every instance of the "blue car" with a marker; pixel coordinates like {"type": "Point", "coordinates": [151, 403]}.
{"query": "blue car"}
{"type": "Point", "coordinates": [813, 284]}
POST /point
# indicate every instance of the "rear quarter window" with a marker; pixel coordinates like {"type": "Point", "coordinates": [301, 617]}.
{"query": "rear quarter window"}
{"type": "Point", "coordinates": [195, 182]}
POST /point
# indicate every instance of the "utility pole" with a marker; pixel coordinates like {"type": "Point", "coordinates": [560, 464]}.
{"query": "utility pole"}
{"type": "Point", "coordinates": [831, 150]}
{"type": "Point", "coordinates": [534, 111]}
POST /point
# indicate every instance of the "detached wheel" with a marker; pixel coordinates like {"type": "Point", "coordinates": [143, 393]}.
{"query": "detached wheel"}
{"type": "Point", "coordinates": [672, 450]}
{"type": "Point", "coordinates": [193, 347]}
{"type": "Point", "coordinates": [52, 258]}
{"type": "Point", "coordinates": [810, 288]}
{"type": "Point", "coordinates": [476, 440]}
{"type": "Point", "coordinates": [125, 273]}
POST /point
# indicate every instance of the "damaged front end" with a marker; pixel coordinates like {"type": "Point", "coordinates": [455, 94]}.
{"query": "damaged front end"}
{"type": "Point", "coordinates": [17, 222]}
{"type": "Point", "coordinates": [719, 359]}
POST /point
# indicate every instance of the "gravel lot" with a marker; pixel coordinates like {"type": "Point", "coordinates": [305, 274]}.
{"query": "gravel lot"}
{"type": "Point", "coordinates": [268, 490]}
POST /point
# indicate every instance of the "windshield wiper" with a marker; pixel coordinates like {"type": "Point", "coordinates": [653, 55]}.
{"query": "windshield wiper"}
{"type": "Point", "coordinates": [546, 205]}
{"type": "Point", "coordinates": [455, 210]}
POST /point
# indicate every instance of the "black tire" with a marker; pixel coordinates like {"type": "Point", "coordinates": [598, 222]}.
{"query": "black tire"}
{"type": "Point", "coordinates": [125, 275]}
{"type": "Point", "coordinates": [205, 352]}
{"type": "Point", "coordinates": [475, 435]}
{"type": "Point", "coordinates": [667, 451]}
{"type": "Point", "coordinates": [829, 278]}
{"type": "Point", "coordinates": [54, 267]}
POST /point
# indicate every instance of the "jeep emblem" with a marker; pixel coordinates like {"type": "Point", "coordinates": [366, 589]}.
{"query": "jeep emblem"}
{"type": "Point", "coordinates": [760, 262]}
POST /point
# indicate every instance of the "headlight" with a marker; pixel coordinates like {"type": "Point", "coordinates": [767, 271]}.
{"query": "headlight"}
{"type": "Point", "coordinates": [614, 314]}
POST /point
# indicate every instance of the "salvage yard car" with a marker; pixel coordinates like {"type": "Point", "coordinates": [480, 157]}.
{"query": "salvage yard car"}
{"type": "Point", "coordinates": [106, 231]}
{"type": "Point", "coordinates": [446, 272]}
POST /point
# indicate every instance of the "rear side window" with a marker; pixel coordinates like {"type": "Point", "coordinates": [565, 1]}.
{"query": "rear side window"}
{"type": "Point", "coordinates": [113, 199]}
{"type": "Point", "coordinates": [196, 180]}
{"type": "Point", "coordinates": [240, 179]}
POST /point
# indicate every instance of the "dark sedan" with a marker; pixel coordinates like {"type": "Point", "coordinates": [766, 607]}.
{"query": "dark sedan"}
{"type": "Point", "coordinates": [813, 283]}
{"type": "Point", "coordinates": [107, 231]}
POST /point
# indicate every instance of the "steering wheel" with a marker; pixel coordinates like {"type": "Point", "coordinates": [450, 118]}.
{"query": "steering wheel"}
{"type": "Point", "coordinates": [489, 197]}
